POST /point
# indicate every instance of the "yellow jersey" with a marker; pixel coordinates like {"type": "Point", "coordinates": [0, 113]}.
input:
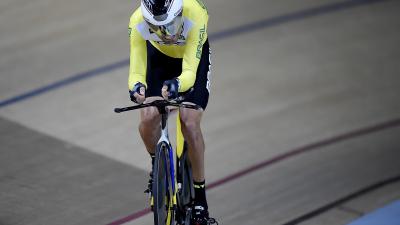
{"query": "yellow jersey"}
{"type": "Point", "coordinates": [188, 47]}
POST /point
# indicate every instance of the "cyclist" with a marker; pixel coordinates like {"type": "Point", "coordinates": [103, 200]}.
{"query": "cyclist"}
{"type": "Point", "coordinates": [169, 54]}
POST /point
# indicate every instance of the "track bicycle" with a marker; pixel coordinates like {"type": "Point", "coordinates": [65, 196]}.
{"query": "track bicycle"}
{"type": "Point", "coordinates": [172, 195]}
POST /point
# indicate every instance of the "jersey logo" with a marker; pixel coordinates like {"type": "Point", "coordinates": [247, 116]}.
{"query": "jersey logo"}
{"type": "Point", "coordinates": [201, 39]}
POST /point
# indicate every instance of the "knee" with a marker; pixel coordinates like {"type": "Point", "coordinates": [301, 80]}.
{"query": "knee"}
{"type": "Point", "coordinates": [190, 125]}
{"type": "Point", "coordinates": [190, 122]}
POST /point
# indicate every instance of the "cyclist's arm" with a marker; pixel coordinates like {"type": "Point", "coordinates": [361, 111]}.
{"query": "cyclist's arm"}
{"type": "Point", "coordinates": [138, 55]}
{"type": "Point", "coordinates": [192, 55]}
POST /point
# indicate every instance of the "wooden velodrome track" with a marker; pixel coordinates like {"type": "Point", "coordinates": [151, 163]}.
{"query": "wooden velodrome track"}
{"type": "Point", "coordinates": [303, 125]}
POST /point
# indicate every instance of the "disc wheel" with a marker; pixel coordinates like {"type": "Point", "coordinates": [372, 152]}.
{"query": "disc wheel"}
{"type": "Point", "coordinates": [186, 192]}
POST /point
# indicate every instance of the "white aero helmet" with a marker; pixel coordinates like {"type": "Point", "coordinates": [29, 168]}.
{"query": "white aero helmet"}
{"type": "Point", "coordinates": [163, 16]}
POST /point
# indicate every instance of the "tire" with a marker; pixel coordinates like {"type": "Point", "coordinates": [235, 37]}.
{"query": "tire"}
{"type": "Point", "coordinates": [162, 186]}
{"type": "Point", "coordinates": [188, 216]}
{"type": "Point", "coordinates": [186, 193]}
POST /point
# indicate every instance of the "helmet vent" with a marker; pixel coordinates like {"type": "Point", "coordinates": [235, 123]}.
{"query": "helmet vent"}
{"type": "Point", "coordinates": [161, 17]}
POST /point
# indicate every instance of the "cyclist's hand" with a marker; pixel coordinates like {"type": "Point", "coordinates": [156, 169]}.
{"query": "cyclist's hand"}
{"type": "Point", "coordinates": [138, 93]}
{"type": "Point", "coordinates": [170, 89]}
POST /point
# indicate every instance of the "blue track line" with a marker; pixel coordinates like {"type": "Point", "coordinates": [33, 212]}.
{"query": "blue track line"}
{"type": "Point", "coordinates": [291, 17]}
{"type": "Point", "coordinates": [246, 28]}
{"type": "Point", "coordinates": [65, 82]}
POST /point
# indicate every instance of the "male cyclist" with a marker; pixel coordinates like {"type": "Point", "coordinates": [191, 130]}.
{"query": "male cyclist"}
{"type": "Point", "coordinates": [169, 54]}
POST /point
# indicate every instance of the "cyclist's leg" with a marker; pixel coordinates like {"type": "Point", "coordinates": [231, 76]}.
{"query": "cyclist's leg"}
{"type": "Point", "coordinates": [190, 121]}
{"type": "Point", "coordinates": [191, 118]}
{"type": "Point", "coordinates": [193, 136]}
{"type": "Point", "coordinates": [192, 133]}
{"type": "Point", "coordinates": [149, 127]}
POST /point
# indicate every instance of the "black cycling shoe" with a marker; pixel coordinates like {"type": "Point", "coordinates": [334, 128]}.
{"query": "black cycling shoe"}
{"type": "Point", "coordinates": [200, 217]}
{"type": "Point", "coordinates": [149, 190]}
{"type": "Point", "coordinates": [150, 184]}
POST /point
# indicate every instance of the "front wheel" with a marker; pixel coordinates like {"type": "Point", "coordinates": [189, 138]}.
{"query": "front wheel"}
{"type": "Point", "coordinates": [162, 187]}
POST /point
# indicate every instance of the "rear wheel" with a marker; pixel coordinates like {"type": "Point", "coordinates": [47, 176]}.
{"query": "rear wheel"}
{"type": "Point", "coordinates": [186, 191]}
